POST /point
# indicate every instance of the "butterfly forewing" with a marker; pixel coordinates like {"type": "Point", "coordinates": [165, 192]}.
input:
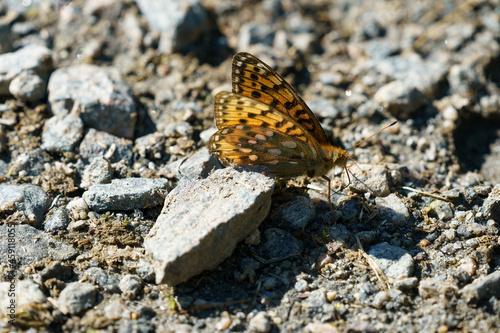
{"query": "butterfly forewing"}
{"type": "Point", "coordinates": [253, 78]}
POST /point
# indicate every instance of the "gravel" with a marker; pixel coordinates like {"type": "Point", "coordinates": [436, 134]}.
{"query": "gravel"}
{"type": "Point", "coordinates": [115, 217]}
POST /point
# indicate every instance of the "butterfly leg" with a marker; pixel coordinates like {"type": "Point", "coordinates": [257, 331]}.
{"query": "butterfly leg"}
{"type": "Point", "coordinates": [330, 196]}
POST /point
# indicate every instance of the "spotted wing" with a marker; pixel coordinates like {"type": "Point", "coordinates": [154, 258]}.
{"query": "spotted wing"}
{"type": "Point", "coordinates": [253, 78]}
{"type": "Point", "coordinates": [243, 145]}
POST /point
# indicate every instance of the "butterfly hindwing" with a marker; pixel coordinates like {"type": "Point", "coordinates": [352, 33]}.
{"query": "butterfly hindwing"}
{"type": "Point", "coordinates": [254, 145]}
{"type": "Point", "coordinates": [253, 78]}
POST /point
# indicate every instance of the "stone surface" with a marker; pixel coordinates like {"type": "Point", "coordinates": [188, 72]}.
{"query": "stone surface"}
{"type": "Point", "coordinates": [27, 250]}
{"type": "Point", "coordinates": [25, 202]}
{"type": "Point", "coordinates": [375, 181]}
{"type": "Point", "coordinates": [27, 295]}
{"type": "Point", "coordinates": [102, 144]}
{"type": "Point", "coordinates": [99, 171]}
{"type": "Point", "coordinates": [482, 288]}
{"type": "Point", "coordinates": [28, 87]}
{"type": "Point", "coordinates": [59, 220]}
{"type": "Point", "coordinates": [76, 298]}
{"type": "Point", "coordinates": [33, 57]}
{"type": "Point", "coordinates": [126, 194]}
{"type": "Point", "coordinates": [393, 209]}
{"type": "Point", "coordinates": [62, 133]}
{"type": "Point", "coordinates": [393, 261]}
{"type": "Point", "coordinates": [428, 288]}
{"type": "Point", "coordinates": [225, 208]}
{"type": "Point", "coordinates": [100, 94]}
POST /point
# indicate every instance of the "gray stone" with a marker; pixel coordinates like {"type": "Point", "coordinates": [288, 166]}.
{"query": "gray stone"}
{"type": "Point", "coordinates": [27, 295]}
{"type": "Point", "coordinates": [441, 209]}
{"type": "Point", "coordinates": [100, 95]}
{"type": "Point", "coordinates": [401, 98]}
{"type": "Point", "coordinates": [429, 288]}
{"type": "Point", "coordinates": [76, 298]}
{"type": "Point", "coordinates": [36, 58]}
{"type": "Point", "coordinates": [27, 250]}
{"type": "Point", "coordinates": [28, 87]}
{"type": "Point", "coordinates": [491, 206]}
{"type": "Point", "coordinates": [295, 214]}
{"type": "Point", "coordinates": [126, 194]}
{"type": "Point", "coordinates": [101, 144]}
{"type": "Point", "coordinates": [406, 283]}
{"type": "Point", "coordinates": [57, 270]}
{"type": "Point", "coordinates": [99, 171]}
{"type": "Point", "coordinates": [131, 285]}
{"type": "Point", "coordinates": [59, 220]}
{"type": "Point", "coordinates": [324, 108]}
{"type": "Point", "coordinates": [28, 202]}
{"type": "Point", "coordinates": [260, 323]}
{"type": "Point", "coordinates": [198, 165]}
{"type": "Point", "coordinates": [223, 209]}
{"type": "Point", "coordinates": [375, 181]}
{"type": "Point", "coordinates": [279, 244]}
{"type": "Point", "coordinates": [381, 299]}
{"type": "Point", "coordinates": [482, 288]}
{"type": "Point", "coordinates": [5, 39]}
{"type": "Point", "coordinates": [393, 261]}
{"type": "Point", "coordinates": [105, 282]}
{"type": "Point", "coordinates": [31, 163]}
{"type": "Point", "coordinates": [393, 209]}
{"type": "Point", "coordinates": [62, 133]}
{"type": "Point", "coordinates": [182, 23]}
{"type": "Point", "coordinates": [251, 33]}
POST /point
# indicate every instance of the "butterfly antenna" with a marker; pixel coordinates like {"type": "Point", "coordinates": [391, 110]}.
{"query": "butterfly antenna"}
{"type": "Point", "coordinates": [371, 136]}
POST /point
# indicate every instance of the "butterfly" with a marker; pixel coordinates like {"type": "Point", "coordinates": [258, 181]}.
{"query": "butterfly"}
{"type": "Point", "coordinates": [264, 122]}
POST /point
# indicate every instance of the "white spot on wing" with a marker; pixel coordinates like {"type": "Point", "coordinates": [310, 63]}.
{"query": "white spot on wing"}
{"type": "Point", "coordinates": [274, 151]}
{"type": "Point", "coordinates": [289, 144]}
{"type": "Point", "coordinates": [253, 158]}
{"type": "Point", "coordinates": [260, 137]}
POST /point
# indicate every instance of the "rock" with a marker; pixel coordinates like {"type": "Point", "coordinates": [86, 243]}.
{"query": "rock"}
{"type": "Point", "coordinates": [31, 163]}
{"type": "Point", "coordinates": [393, 261]}
{"type": "Point", "coordinates": [380, 299]}
{"type": "Point", "coordinates": [441, 209]}
{"type": "Point", "coordinates": [375, 181]}
{"type": "Point", "coordinates": [482, 288]}
{"type": "Point", "coordinates": [253, 33]}
{"type": "Point", "coordinates": [401, 98]}
{"type": "Point", "coordinates": [491, 206]}
{"type": "Point", "coordinates": [226, 208]}
{"type": "Point", "coordinates": [28, 87]}
{"type": "Point", "coordinates": [295, 214]}
{"type": "Point", "coordinates": [62, 133]}
{"type": "Point", "coordinates": [260, 323]}
{"type": "Point", "coordinates": [406, 283]}
{"type": "Point", "coordinates": [428, 288]}
{"type": "Point", "coordinates": [105, 282]}
{"type": "Point", "coordinates": [24, 295]}
{"type": "Point", "coordinates": [59, 220]}
{"type": "Point", "coordinates": [45, 246]}
{"type": "Point", "coordinates": [279, 244]}
{"type": "Point", "coordinates": [33, 57]}
{"type": "Point", "coordinates": [198, 165]}
{"type": "Point", "coordinates": [24, 201]}
{"type": "Point", "coordinates": [99, 171]}
{"type": "Point", "coordinates": [101, 144]}
{"type": "Point", "coordinates": [324, 108]}
{"type": "Point", "coordinates": [57, 269]}
{"type": "Point", "coordinates": [393, 209]}
{"type": "Point", "coordinates": [131, 285]}
{"type": "Point", "coordinates": [126, 194]}
{"type": "Point", "coordinates": [100, 95]}
{"type": "Point", "coordinates": [76, 298]}
{"type": "Point", "coordinates": [5, 39]}
{"type": "Point", "coordinates": [182, 24]}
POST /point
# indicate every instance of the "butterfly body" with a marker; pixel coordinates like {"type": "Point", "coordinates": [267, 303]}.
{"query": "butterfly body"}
{"type": "Point", "coordinates": [265, 123]}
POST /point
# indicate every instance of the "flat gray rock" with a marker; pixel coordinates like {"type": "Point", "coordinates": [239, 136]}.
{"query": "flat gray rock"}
{"type": "Point", "coordinates": [32, 245]}
{"type": "Point", "coordinates": [393, 261]}
{"type": "Point", "coordinates": [482, 289]}
{"type": "Point", "coordinates": [28, 200]}
{"type": "Point", "coordinates": [101, 95]}
{"type": "Point", "coordinates": [203, 220]}
{"type": "Point", "coordinates": [393, 209]}
{"type": "Point", "coordinates": [375, 181]}
{"type": "Point", "coordinates": [102, 144]}
{"type": "Point", "coordinates": [33, 57]}
{"type": "Point", "coordinates": [126, 194]}
{"type": "Point", "coordinates": [76, 298]}
{"type": "Point", "coordinates": [62, 133]}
